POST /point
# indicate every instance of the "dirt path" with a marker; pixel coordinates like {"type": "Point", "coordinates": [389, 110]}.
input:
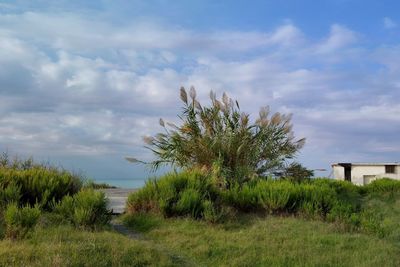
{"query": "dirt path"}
{"type": "Point", "coordinates": [117, 202]}
{"type": "Point", "coordinates": [180, 260]}
{"type": "Point", "coordinates": [118, 226]}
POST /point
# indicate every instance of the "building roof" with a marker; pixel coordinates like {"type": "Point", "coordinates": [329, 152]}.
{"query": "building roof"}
{"type": "Point", "coordinates": [366, 163]}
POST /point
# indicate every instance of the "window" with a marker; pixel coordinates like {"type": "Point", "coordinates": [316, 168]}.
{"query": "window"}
{"type": "Point", "coordinates": [390, 168]}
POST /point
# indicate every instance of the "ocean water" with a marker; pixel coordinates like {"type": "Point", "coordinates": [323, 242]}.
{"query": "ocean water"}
{"type": "Point", "coordinates": [123, 183]}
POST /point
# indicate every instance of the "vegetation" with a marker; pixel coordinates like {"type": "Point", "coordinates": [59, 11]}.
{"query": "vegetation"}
{"type": "Point", "coordinates": [295, 172]}
{"type": "Point", "coordinates": [93, 185]}
{"type": "Point", "coordinates": [194, 194]}
{"type": "Point", "coordinates": [251, 240]}
{"type": "Point", "coordinates": [67, 246]}
{"type": "Point", "coordinates": [87, 208]}
{"type": "Point", "coordinates": [222, 140]}
{"type": "Point", "coordinates": [352, 226]}
{"type": "Point", "coordinates": [34, 183]}
{"type": "Point", "coordinates": [20, 220]}
{"type": "Point", "coordinates": [232, 202]}
{"type": "Point", "coordinates": [29, 191]}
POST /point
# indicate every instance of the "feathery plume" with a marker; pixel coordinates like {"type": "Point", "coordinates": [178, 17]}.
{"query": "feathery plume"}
{"type": "Point", "coordinates": [225, 99]}
{"type": "Point", "coordinates": [192, 92]}
{"type": "Point", "coordinates": [213, 96]}
{"type": "Point", "coordinates": [148, 139]}
{"type": "Point", "coordinates": [276, 118]}
{"type": "Point", "coordinates": [183, 95]}
{"type": "Point", "coordinates": [264, 111]}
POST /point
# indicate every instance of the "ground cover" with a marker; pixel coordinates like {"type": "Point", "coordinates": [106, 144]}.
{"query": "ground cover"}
{"type": "Point", "coordinates": [68, 246]}
{"type": "Point", "coordinates": [267, 241]}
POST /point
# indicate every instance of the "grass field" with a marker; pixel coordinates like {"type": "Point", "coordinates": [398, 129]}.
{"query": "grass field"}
{"type": "Point", "coordinates": [248, 240]}
{"type": "Point", "coordinates": [252, 238]}
{"type": "Point", "coordinates": [268, 241]}
{"type": "Point", "coordinates": [66, 246]}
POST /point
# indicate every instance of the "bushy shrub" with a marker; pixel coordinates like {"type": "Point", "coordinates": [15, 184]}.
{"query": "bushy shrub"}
{"type": "Point", "coordinates": [220, 134]}
{"type": "Point", "coordinates": [384, 185]}
{"type": "Point", "coordinates": [87, 209]}
{"type": "Point", "coordinates": [214, 213]}
{"type": "Point", "coordinates": [190, 202]}
{"type": "Point", "coordinates": [143, 200]}
{"type": "Point", "coordinates": [19, 220]}
{"type": "Point", "coordinates": [39, 183]}
{"type": "Point", "coordinates": [269, 195]}
{"type": "Point", "coordinates": [194, 194]}
{"type": "Point", "coordinates": [317, 200]}
{"type": "Point", "coordinates": [295, 172]}
{"type": "Point", "coordinates": [242, 197]}
{"type": "Point", "coordinates": [10, 194]}
{"type": "Point", "coordinates": [174, 194]}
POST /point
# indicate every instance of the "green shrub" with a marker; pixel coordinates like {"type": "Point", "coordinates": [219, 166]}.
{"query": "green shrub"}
{"type": "Point", "coordinates": [143, 200]}
{"type": "Point", "coordinates": [20, 220]}
{"type": "Point", "coordinates": [215, 213]}
{"type": "Point", "coordinates": [40, 184]}
{"type": "Point", "coordinates": [295, 172]}
{"type": "Point", "coordinates": [371, 222]}
{"type": "Point", "coordinates": [384, 185]}
{"type": "Point", "coordinates": [220, 134]}
{"type": "Point", "coordinates": [274, 196]}
{"type": "Point", "coordinates": [242, 197]}
{"type": "Point", "coordinates": [190, 202]}
{"type": "Point", "coordinates": [174, 194]}
{"type": "Point", "coordinates": [317, 200]}
{"type": "Point", "coordinates": [10, 194]}
{"type": "Point", "coordinates": [192, 193]}
{"type": "Point", "coordinates": [87, 209]}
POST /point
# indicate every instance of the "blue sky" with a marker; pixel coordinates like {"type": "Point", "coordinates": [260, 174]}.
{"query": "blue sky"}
{"type": "Point", "coordinates": [82, 81]}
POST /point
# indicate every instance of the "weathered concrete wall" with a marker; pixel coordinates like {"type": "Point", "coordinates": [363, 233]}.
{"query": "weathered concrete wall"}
{"type": "Point", "coordinates": [362, 174]}
{"type": "Point", "coordinates": [338, 172]}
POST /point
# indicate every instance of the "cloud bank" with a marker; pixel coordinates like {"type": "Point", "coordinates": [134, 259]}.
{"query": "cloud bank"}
{"type": "Point", "coordinates": [74, 86]}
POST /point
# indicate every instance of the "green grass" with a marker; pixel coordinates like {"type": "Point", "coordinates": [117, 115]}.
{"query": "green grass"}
{"type": "Point", "coordinates": [66, 246]}
{"type": "Point", "coordinates": [381, 215]}
{"type": "Point", "coordinates": [268, 241]}
{"type": "Point", "coordinates": [247, 240]}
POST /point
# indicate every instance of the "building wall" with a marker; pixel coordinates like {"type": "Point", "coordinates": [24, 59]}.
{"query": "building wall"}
{"type": "Point", "coordinates": [371, 172]}
{"type": "Point", "coordinates": [338, 172]}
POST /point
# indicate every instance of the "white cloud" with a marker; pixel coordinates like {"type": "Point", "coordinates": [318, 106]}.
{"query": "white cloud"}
{"type": "Point", "coordinates": [388, 23]}
{"type": "Point", "coordinates": [339, 37]}
{"type": "Point", "coordinates": [72, 85]}
{"type": "Point", "coordinates": [287, 35]}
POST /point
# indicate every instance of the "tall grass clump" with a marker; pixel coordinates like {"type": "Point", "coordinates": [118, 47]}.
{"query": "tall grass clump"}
{"type": "Point", "coordinates": [315, 200]}
{"type": "Point", "coordinates": [174, 194]}
{"type": "Point", "coordinates": [38, 183]}
{"type": "Point", "coordinates": [86, 209]}
{"type": "Point", "coordinates": [20, 220]}
{"type": "Point", "coordinates": [10, 194]}
{"type": "Point", "coordinates": [272, 196]}
{"type": "Point", "coordinates": [193, 194]}
{"type": "Point", "coordinates": [221, 138]}
{"type": "Point", "coordinates": [384, 185]}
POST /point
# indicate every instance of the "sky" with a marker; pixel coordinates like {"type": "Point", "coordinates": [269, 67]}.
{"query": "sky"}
{"type": "Point", "coordinates": [81, 82]}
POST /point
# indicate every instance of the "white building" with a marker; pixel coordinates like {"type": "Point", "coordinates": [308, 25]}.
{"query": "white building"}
{"type": "Point", "coordinates": [364, 173]}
